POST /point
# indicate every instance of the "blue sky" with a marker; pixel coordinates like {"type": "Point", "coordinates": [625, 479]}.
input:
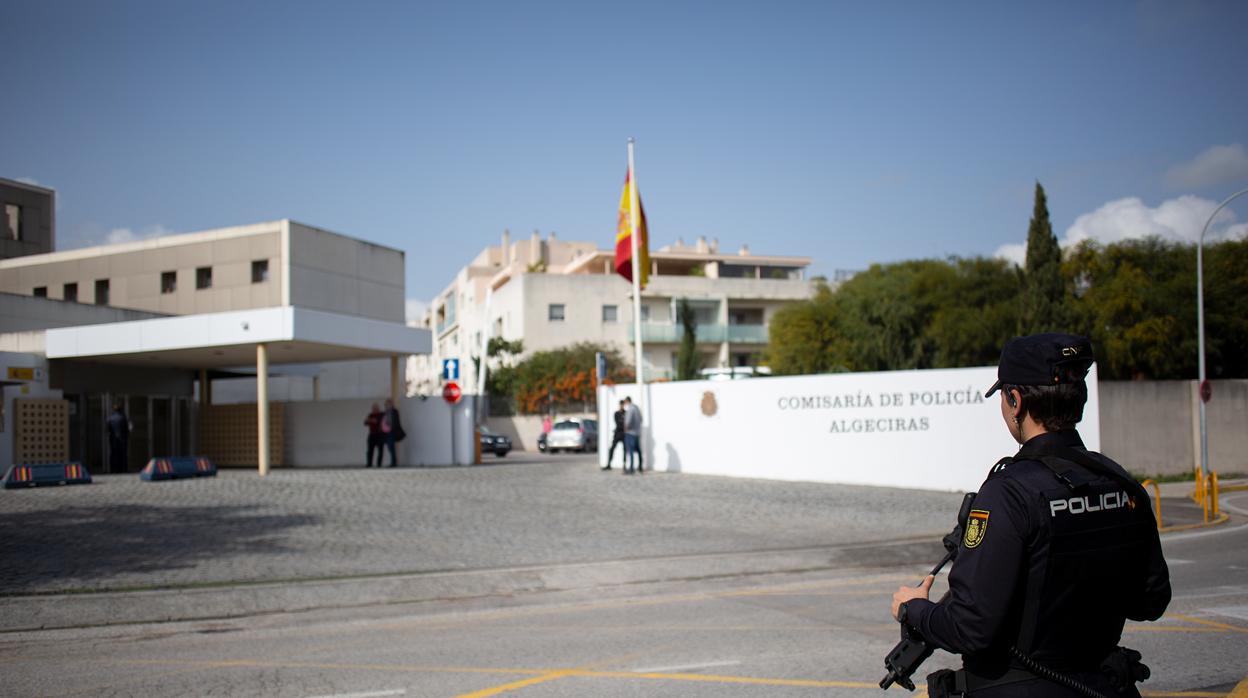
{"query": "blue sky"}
{"type": "Point", "coordinates": [853, 133]}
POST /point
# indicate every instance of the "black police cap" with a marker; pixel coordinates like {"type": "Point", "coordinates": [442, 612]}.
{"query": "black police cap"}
{"type": "Point", "coordinates": [1043, 359]}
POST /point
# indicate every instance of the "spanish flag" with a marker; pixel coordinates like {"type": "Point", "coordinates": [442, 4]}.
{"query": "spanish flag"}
{"type": "Point", "coordinates": [624, 232]}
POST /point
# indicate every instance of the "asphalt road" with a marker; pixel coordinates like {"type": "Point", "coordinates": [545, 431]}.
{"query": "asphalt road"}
{"type": "Point", "coordinates": [618, 625]}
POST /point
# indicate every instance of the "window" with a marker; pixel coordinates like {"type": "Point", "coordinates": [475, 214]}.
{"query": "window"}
{"type": "Point", "coordinates": [259, 271]}
{"type": "Point", "coordinates": [13, 221]}
{"type": "Point", "coordinates": [101, 291]}
{"type": "Point", "coordinates": [610, 313]}
{"type": "Point", "coordinates": [41, 292]}
{"type": "Point", "coordinates": [168, 281]}
{"type": "Point", "coordinates": [203, 277]}
{"type": "Point", "coordinates": [70, 292]}
{"type": "Point", "coordinates": [555, 313]}
{"type": "Point", "coordinates": [645, 313]}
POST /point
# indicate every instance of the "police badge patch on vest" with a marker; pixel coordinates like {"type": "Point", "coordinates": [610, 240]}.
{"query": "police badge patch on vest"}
{"type": "Point", "coordinates": [976, 528]}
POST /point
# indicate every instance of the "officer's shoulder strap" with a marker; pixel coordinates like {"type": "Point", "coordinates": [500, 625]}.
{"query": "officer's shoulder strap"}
{"type": "Point", "coordinates": [1000, 466]}
{"type": "Point", "coordinates": [1085, 459]}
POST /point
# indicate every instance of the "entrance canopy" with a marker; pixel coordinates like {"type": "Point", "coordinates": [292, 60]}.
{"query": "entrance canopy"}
{"type": "Point", "coordinates": [222, 340]}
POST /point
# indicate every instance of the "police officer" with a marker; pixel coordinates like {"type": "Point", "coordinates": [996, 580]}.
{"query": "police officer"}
{"type": "Point", "coordinates": [1061, 547]}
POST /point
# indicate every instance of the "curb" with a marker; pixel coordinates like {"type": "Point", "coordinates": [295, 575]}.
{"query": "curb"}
{"type": "Point", "coordinates": [1222, 518]}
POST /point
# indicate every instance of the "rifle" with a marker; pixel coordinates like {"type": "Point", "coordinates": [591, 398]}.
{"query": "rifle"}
{"type": "Point", "coordinates": [905, 658]}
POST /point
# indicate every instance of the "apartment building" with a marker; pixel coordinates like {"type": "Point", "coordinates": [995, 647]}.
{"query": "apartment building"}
{"type": "Point", "coordinates": [551, 293]}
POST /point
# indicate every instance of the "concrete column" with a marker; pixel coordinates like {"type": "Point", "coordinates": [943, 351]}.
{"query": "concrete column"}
{"type": "Point", "coordinates": [395, 393]}
{"type": "Point", "coordinates": [262, 407]}
{"type": "Point", "coordinates": [205, 398]}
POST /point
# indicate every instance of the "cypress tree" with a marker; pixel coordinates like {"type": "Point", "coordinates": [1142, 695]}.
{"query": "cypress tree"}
{"type": "Point", "coordinates": [1043, 301]}
{"type": "Point", "coordinates": [688, 362]}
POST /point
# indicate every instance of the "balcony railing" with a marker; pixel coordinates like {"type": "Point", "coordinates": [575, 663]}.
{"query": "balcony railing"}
{"type": "Point", "coordinates": [747, 334]}
{"type": "Point", "coordinates": [666, 332]}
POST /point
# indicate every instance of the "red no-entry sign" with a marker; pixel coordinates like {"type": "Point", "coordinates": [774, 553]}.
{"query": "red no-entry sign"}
{"type": "Point", "coordinates": [451, 392]}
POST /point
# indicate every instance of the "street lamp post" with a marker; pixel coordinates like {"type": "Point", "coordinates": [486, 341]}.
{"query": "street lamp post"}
{"type": "Point", "coordinates": [1200, 327]}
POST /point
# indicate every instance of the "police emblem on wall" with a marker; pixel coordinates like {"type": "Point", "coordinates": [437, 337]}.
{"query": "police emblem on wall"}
{"type": "Point", "coordinates": [709, 407]}
{"type": "Point", "coordinates": [976, 528]}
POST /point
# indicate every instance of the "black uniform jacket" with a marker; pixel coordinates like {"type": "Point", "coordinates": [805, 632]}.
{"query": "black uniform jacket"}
{"type": "Point", "coordinates": [1052, 568]}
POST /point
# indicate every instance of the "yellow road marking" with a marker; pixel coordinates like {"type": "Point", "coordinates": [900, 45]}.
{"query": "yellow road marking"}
{"type": "Point", "coordinates": [1170, 629]}
{"type": "Point", "coordinates": [1211, 623]}
{"type": "Point", "coordinates": [537, 676]}
{"type": "Point", "coordinates": [514, 685]}
{"type": "Point", "coordinates": [713, 678]}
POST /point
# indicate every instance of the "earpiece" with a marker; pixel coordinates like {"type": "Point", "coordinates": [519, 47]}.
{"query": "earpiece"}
{"type": "Point", "coordinates": [1009, 397]}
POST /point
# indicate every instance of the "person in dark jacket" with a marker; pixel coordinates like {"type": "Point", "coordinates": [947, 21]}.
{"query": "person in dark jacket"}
{"type": "Point", "coordinates": [118, 440]}
{"type": "Point", "coordinates": [392, 432]}
{"type": "Point", "coordinates": [375, 436]}
{"type": "Point", "coordinates": [1060, 549]}
{"type": "Point", "coordinates": [617, 436]}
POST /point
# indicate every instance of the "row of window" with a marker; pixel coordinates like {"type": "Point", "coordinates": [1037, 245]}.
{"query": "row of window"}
{"type": "Point", "coordinates": [557, 312]}
{"type": "Point", "coordinates": [69, 292]}
{"type": "Point", "coordinates": [168, 282]}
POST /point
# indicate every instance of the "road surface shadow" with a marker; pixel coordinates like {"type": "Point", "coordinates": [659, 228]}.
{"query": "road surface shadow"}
{"type": "Point", "coordinates": [93, 547]}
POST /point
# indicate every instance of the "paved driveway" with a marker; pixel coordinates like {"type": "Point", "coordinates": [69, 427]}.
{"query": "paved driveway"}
{"type": "Point", "coordinates": [323, 523]}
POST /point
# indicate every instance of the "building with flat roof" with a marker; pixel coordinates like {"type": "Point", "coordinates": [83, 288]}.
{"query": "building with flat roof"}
{"type": "Point", "coordinates": [27, 219]}
{"type": "Point", "coordinates": [551, 293]}
{"type": "Point", "coordinates": [175, 326]}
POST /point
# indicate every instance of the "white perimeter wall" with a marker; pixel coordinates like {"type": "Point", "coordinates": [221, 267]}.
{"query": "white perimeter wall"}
{"type": "Point", "coordinates": [929, 429]}
{"type": "Point", "coordinates": [333, 432]}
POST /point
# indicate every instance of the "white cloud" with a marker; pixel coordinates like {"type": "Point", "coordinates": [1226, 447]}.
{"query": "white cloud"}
{"type": "Point", "coordinates": [117, 236]}
{"type": "Point", "coordinates": [415, 309]}
{"type": "Point", "coordinates": [1014, 252]}
{"type": "Point", "coordinates": [1178, 220]}
{"type": "Point", "coordinates": [1220, 164]}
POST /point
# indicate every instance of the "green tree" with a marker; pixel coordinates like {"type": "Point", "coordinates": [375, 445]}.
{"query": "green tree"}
{"type": "Point", "coordinates": [688, 361]}
{"type": "Point", "coordinates": [558, 376]}
{"type": "Point", "coordinates": [916, 314]}
{"type": "Point", "coordinates": [1043, 294]}
{"type": "Point", "coordinates": [804, 337]}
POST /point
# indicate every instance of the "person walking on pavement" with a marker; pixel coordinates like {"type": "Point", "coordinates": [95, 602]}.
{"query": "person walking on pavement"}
{"type": "Point", "coordinates": [376, 438]}
{"type": "Point", "coordinates": [392, 432]}
{"type": "Point", "coordinates": [118, 440]}
{"type": "Point", "coordinates": [632, 437]}
{"type": "Point", "coordinates": [617, 436]}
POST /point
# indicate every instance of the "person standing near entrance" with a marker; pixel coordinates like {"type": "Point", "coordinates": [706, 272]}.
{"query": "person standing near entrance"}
{"type": "Point", "coordinates": [392, 432]}
{"type": "Point", "coordinates": [617, 436]}
{"type": "Point", "coordinates": [375, 436]}
{"type": "Point", "coordinates": [118, 440]}
{"type": "Point", "coordinates": [632, 437]}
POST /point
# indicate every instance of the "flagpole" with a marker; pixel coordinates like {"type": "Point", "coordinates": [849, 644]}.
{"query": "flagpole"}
{"type": "Point", "coordinates": [634, 207]}
{"type": "Point", "coordinates": [485, 346]}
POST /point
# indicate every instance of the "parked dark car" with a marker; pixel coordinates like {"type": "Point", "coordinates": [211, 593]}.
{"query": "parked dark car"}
{"type": "Point", "coordinates": [495, 443]}
{"type": "Point", "coordinates": [573, 435]}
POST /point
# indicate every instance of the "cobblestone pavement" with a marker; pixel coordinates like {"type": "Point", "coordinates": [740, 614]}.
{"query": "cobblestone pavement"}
{"type": "Point", "coordinates": [121, 533]}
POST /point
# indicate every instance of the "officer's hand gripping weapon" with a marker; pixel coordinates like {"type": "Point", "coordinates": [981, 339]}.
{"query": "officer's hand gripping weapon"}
{"type": "Point", "coordinates": [905, 658]}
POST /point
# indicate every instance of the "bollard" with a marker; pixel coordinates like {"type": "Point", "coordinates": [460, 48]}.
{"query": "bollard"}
{"type": "Point", "coordinates": [177, 468]}
{"type": "Point", "coordinates": [37, 474]}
